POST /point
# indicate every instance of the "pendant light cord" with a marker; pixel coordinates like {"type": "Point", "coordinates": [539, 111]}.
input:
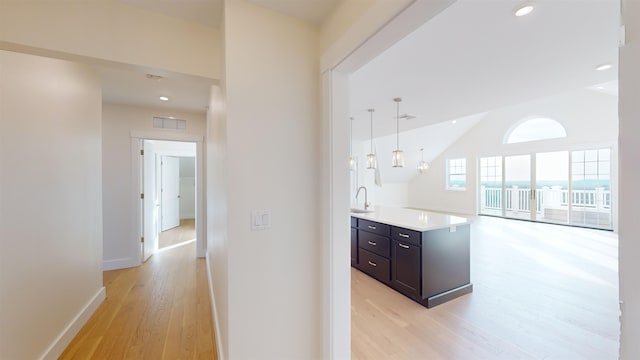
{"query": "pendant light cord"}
{"type": "Point", "coordinates": [398, 125]}
{"type": "Point", "coordinates": [371, 127]}
{"type": "Point", "coordinates": [351, 138]}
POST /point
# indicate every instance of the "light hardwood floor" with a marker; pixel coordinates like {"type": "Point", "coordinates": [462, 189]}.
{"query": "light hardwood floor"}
{"type": "Point", "coordinates": [184, 232]}
{"type": "Point", "coordinates": [540, 292]}
{"type": "Point", "coordinates": [159, 310]}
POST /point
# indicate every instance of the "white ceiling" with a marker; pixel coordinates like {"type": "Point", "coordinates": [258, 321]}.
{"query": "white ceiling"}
{"type": "Point", "coordinates": [314, 11]}
{"type": "Point", "coordinates": [132, 87]}
{"type": "Point", "coordinates": [434, 139]}
{"type": "Point", "coordinates": [477, 56]}
{"type": "Point", "coordinates": [205, 12]}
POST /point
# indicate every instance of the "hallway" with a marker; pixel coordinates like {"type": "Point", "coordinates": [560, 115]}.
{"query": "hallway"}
{"type": "Point", "coordinates": [159, 310]}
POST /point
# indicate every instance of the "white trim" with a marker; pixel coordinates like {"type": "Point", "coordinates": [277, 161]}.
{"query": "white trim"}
{"type": "Point", "coordinates": [136, 206]}
{"type": "Point", "coordinates": [380, 27]}
{"type": "Point", "coordinates": [66, 336]}
{"type": "Point", "coordinates": [116, 264]}
{"type": "Point", "coordinates": [136, 229]}
{"type": "Point", "coordinates": [214, 311]}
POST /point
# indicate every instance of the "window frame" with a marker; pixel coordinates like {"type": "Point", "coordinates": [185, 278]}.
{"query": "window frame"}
{"type": "Point", "coordinates": [448, 173]}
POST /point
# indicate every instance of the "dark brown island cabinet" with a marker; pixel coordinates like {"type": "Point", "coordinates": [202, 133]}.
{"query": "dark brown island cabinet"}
{"type": "Point", "coordinates": [430, 267]}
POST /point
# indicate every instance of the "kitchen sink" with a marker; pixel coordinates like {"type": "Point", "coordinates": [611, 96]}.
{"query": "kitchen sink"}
{"type": "Point", "coordinates": [361, 211]}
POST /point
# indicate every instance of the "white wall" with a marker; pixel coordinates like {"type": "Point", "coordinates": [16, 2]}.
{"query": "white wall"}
{"type": "Point", "coordinates": [629, 249]}
{"type": "Point", "coordinates": [590, 119]}
{"type": "Point", "coordinates": [187, 187]}
{"type": "Point", "coordinates": [120, 249]}
{"type": "Point", "coordinates": [269, 290]}
{"type": "Point", "coordinates": [394, 194]}
{"type": "Point", "coordinates": [51, 203]}
{"type": "Point", "coordinates": [111, 31]}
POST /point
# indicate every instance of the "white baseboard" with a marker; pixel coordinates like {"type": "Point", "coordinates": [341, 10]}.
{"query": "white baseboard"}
{"type": "Point", "coordinates": [64, 339]}
{"type": "Point", "coordinates": [116, 264]}
{"type": "Point", "coordinates": [214, 311]}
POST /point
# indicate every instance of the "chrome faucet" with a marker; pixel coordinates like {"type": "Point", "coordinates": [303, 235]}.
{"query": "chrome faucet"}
{"type": "Point", "coordinates": [366, 204]}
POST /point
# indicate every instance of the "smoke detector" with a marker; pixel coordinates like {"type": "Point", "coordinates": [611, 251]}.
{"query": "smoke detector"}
{"type": "Point", "coordinates": [154, 77]}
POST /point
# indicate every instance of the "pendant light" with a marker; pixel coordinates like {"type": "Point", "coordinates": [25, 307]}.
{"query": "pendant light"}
{"type": "Point", "coordinates": [397, 156]}
{"type": "Point", "coordinates": [352, 160]}
{"type": "Point", "coordinates": [422, 165]}
{"type": "Point", "coordinates": [372, 160]}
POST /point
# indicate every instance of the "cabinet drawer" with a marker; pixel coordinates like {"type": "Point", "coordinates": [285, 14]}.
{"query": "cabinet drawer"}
{"type": "Point", "coordinates": [354, 222]}
{"type": "Point", "coordinates": [375, 243]}
{"type": "Point", "coordinates": [406, 235]}
{"type": "Point", "coordinates": [373, 227]}
{"type": "Point", "coordinates": [374, 265]}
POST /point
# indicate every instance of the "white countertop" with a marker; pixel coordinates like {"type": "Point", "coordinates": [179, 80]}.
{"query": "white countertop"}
{"type": "Point", "coordinates": [418, 220]}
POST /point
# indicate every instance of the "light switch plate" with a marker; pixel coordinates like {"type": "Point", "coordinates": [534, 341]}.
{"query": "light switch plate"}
{"type": "Point", "coordinates": [260, 219]}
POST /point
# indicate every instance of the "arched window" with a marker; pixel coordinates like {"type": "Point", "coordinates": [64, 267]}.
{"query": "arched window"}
{"type": "Point", "coordinates": [538, 128]}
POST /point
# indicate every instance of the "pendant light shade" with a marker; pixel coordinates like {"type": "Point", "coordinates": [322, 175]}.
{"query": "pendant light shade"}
{"type": "Point", "coordinates": [397, 156]}
{"type": "Point", "coordinates": [372, 160]}
{"type": "Point", "coordinates": [422, 165]}
{"type": "Point", "coordinates": [352, 160]}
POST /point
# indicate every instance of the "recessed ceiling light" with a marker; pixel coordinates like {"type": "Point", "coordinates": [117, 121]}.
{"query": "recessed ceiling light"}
{"type": "Point", "coordinates": [524, 9]}
{"type": "Point", "coordinates": [164, 98]}
{"type": "Point", "coordinates": [603, 67]}
{"type": "Point", "coordinates": [171, 117]}
{"type": "Point", "coordinates": [454, 121]}
{"type": "Point", "coordinates": [600, 87]}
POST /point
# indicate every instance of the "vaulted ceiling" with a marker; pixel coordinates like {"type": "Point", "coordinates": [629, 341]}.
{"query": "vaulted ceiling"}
{"type": "Point", "coordinates": [476, 56]}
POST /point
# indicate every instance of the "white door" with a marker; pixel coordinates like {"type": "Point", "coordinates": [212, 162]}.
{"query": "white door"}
{"type": "Point", "coordinates": [150, 204]}
{"type": "Point", "coordinates": [170, 205]}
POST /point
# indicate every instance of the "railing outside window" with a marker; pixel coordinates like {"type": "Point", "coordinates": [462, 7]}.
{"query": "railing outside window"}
{"type": "Point", "coordinates": [519, 199]}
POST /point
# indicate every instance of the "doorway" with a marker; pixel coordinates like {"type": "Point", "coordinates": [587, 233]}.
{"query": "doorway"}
{"type": "Point", "coordinates": [178, 201]}
{"type": "Point", "coordinates": [169, 193]}
{"type": "Point", "coordinates": [168, 184]}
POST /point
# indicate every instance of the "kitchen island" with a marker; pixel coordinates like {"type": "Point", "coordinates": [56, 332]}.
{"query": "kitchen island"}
{"type": "Point", "coordinates": [423, 255]}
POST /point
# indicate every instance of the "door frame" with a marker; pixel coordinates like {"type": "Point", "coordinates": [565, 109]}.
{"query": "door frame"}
{"type": "Point", "coordinates": [137, 137]}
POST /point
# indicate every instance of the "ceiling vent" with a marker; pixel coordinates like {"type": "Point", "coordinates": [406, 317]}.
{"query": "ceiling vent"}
{"type": "Point", "coordinates": [160, 122]}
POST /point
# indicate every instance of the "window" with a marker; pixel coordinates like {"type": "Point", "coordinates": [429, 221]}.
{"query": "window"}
{"type": "Point", "coordinates": [456, 174]}
{"type": "Point", "coordinates": [536, 129]}
{"type": "Point", "coordinates": [591, 188]}
{"type": "Point", "coordinates": [491, 185]}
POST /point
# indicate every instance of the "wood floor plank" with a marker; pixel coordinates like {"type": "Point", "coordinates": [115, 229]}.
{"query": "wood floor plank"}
{"type": "Point", "coordinates": [159, 310]}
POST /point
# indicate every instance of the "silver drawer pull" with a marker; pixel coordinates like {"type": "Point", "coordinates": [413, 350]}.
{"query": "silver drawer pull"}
{"type": "Point", "coordinates": [403, 235]}
{"type": "Point", "coordinates": [403, 245]}
{"type": "Point", "coordinates": [372, 243]}
{"type": "Point", "coordinates": [371, 227]}
{"type": "Point", "coordinates": [372, 263]}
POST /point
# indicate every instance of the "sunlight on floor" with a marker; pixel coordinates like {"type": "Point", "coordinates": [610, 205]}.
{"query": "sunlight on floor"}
{"type": "Point", "coordinates": [176, 245]}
